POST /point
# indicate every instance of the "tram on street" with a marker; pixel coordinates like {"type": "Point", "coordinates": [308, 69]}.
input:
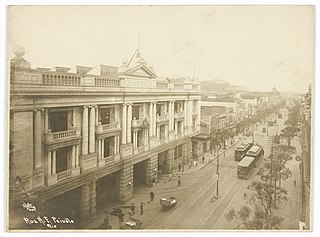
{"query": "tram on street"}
{"type": "Point", "coordinates": [245, 167]}
{"type": "Point", "coordinates": [241, 150]}
{"type": "Point", "coordinates": [256, 152]}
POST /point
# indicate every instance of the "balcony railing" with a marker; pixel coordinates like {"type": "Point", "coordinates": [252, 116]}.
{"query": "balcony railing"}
{"type": "Point", "coordinates": [179, 114]}
{"type": "Point", "coordinates": [136, 123]}
{"type": "Point", "coordinates": [179, 135]}
{"type": "Point", "coordinates": [162, 141]}
{"type": "Point", "coordinates": [53, 79]}
{"type": "Point", "coordinates": [108, 159]}
{"type": "Point", "coordinates": [141, 149]}
{"type": "Point", "coordinates": [107, 127]}
{"type": "Point", "coordinates": [106, 82]}
{"type": "Point", "coordinates": [64, 175]}
{"type": "Point", "coordinates": [162, 118]}
{"type": "Point", "coordinates": [57, 136]}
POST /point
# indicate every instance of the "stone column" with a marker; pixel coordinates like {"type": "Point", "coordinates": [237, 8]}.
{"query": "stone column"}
{"type": "Point", "coordinates": [49, 163]}
{"type": "Point", "coordinates": [102, 149]}
{"type": "Point", "coordinates": [126, 183]}
{"type": "Point", "coordinates": [151, 119]}
{"type": "Point", "coordinates": [46, 121]}
{"type": "Point", "coordinates": [190, 112]}
{"type": "Point", "coordinates": [198, 115]}
{"type": "Point", "coordinates": [154, 119]}
{"type": "Point", "coordinates": [85, 131]}
{"type": "Point", "coordinates": [99, 149]}
{"type": "Point", "coordinates": [170, 160]}
{"type": "Point", "coordinates": [118, 145]}
{"type": "Point", "coordinates": [74, 122]}
{"type": "Point", "coordinates": [92, 130]}
{"type": "Point", "coordinates": [136, 141]}
{"type": "Point", "coordinates": [73, 157]}
{"type": "Point", "coordinates": [37, 139]}
{"type": "Point", "coordinates": [158, 132]}
{"type": "Point", "coordinates": [124, 125]}
{"type": "Point", "coordinates": [170, 115]}
{"type": "Point", "coordinates": [85, 202]}
{"type": "Point", "coordinates": [152, 166]}
{"type": "Point", "coordinates": [77, 156]}
{"type": "Point", "coordinates": [185, 113]}
{"type": "Point", "coordinates": [97, 116]}
{"type": "Point", "coordinates": [115, 145]}
{"type": "Point", "coordinates": [54, 154]}
{"type": "Point", "coordinates": [93, 195]}
{"type": "Point", "coordinates": [129, 118]}
{"type": "Point", "coordinates": [176, 127]}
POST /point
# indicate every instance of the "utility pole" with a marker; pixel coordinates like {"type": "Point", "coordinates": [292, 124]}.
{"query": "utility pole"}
{"type": "Point", "coordinates": [217, 172]}
{"type": "Point", "coordinates": [252, 135]}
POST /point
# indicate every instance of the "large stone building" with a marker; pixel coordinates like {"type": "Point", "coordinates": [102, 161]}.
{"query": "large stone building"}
{"type": "Point", "coordinates": [82, 138]}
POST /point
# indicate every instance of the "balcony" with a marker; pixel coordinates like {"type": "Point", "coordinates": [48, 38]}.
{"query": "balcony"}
{"type": "Point", "coordinates": [137, 123]}
{"type": "Point", "coordinates": [52, 137]}
{"type": "Point", "coordinates": [164, 140]}
{"type": "Point", "coordinates": [179, 135]}
{"type": "Point", "coordinates": [102, 128]}
{"type": "Point", "coordinates": [64, 175]}
{"type": "Point", "coordinates": [179, 115]}
{"type": "Point", "coordinates": [162, 118]}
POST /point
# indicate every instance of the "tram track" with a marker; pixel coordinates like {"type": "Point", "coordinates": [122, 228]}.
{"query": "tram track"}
{"type": "Point", "coordinates": [206, 180]}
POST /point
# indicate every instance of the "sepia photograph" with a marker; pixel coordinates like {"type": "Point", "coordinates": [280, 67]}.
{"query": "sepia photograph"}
{"type": "Point", "coordinates": [160, 118]}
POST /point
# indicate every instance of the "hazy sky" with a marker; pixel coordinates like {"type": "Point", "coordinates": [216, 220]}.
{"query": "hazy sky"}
{"type": "Point", "coordinates": [257, 46]}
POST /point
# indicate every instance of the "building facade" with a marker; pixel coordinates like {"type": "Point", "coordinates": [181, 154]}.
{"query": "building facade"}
{"type": "Point", "coordinates": [92, 135]}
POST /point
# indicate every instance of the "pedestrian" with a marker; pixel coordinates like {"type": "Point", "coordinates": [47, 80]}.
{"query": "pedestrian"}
{"type": "Point", "coordinates": [190, 165]}
{"type": "Point", "coordinates": [132, 208]}
{"type": "Point", "coordinates": [179, 167]}
{"type": "Point", "coordinates": [179, 181]}
{"type": "Point", "coordinates": [153, 181]}
{"type": "Point", "coordinates": [141, 208]}
{"type": "Point", "coordinates": [294, 183]}
{"type": "Point", "coordinates": [203, 159]}
{"type": "Point", "coordinates": [169, 176]}
{"type": "Point", "coordinates": [195, 163]}
{"type": "Point", "coordinates": [182, 168]}
{"type": "Point", "coordinates": [151, 195]}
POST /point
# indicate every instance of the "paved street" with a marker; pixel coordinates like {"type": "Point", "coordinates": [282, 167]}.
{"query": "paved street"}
{"type": "Point", "coordinates": [197, 206]}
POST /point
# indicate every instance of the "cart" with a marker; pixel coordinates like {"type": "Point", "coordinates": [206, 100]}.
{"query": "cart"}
{"type": "Point", "coordinates": [168, 202]}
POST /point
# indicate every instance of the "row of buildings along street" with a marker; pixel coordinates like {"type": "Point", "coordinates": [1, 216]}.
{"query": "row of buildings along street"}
{"type": "Point", "coordinates": [89, 145]}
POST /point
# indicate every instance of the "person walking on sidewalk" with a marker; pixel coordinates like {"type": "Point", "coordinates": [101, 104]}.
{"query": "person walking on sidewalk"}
{"type": "Point", "coordinates": [179, 181]}
{"type": "Point", "coordinates": [132, 208]}
{"type": "Point", "coordinates": [203, 159]}
{"type": "Point", "coordinates": [141, 208]}
{"type": "Point", "coordinates": [151, 196]}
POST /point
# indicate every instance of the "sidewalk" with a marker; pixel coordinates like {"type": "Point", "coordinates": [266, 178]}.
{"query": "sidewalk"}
{"type": "Point", "coordinates": [163, 188]}
{"type": "Point", "coordinates": [291, 211]}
